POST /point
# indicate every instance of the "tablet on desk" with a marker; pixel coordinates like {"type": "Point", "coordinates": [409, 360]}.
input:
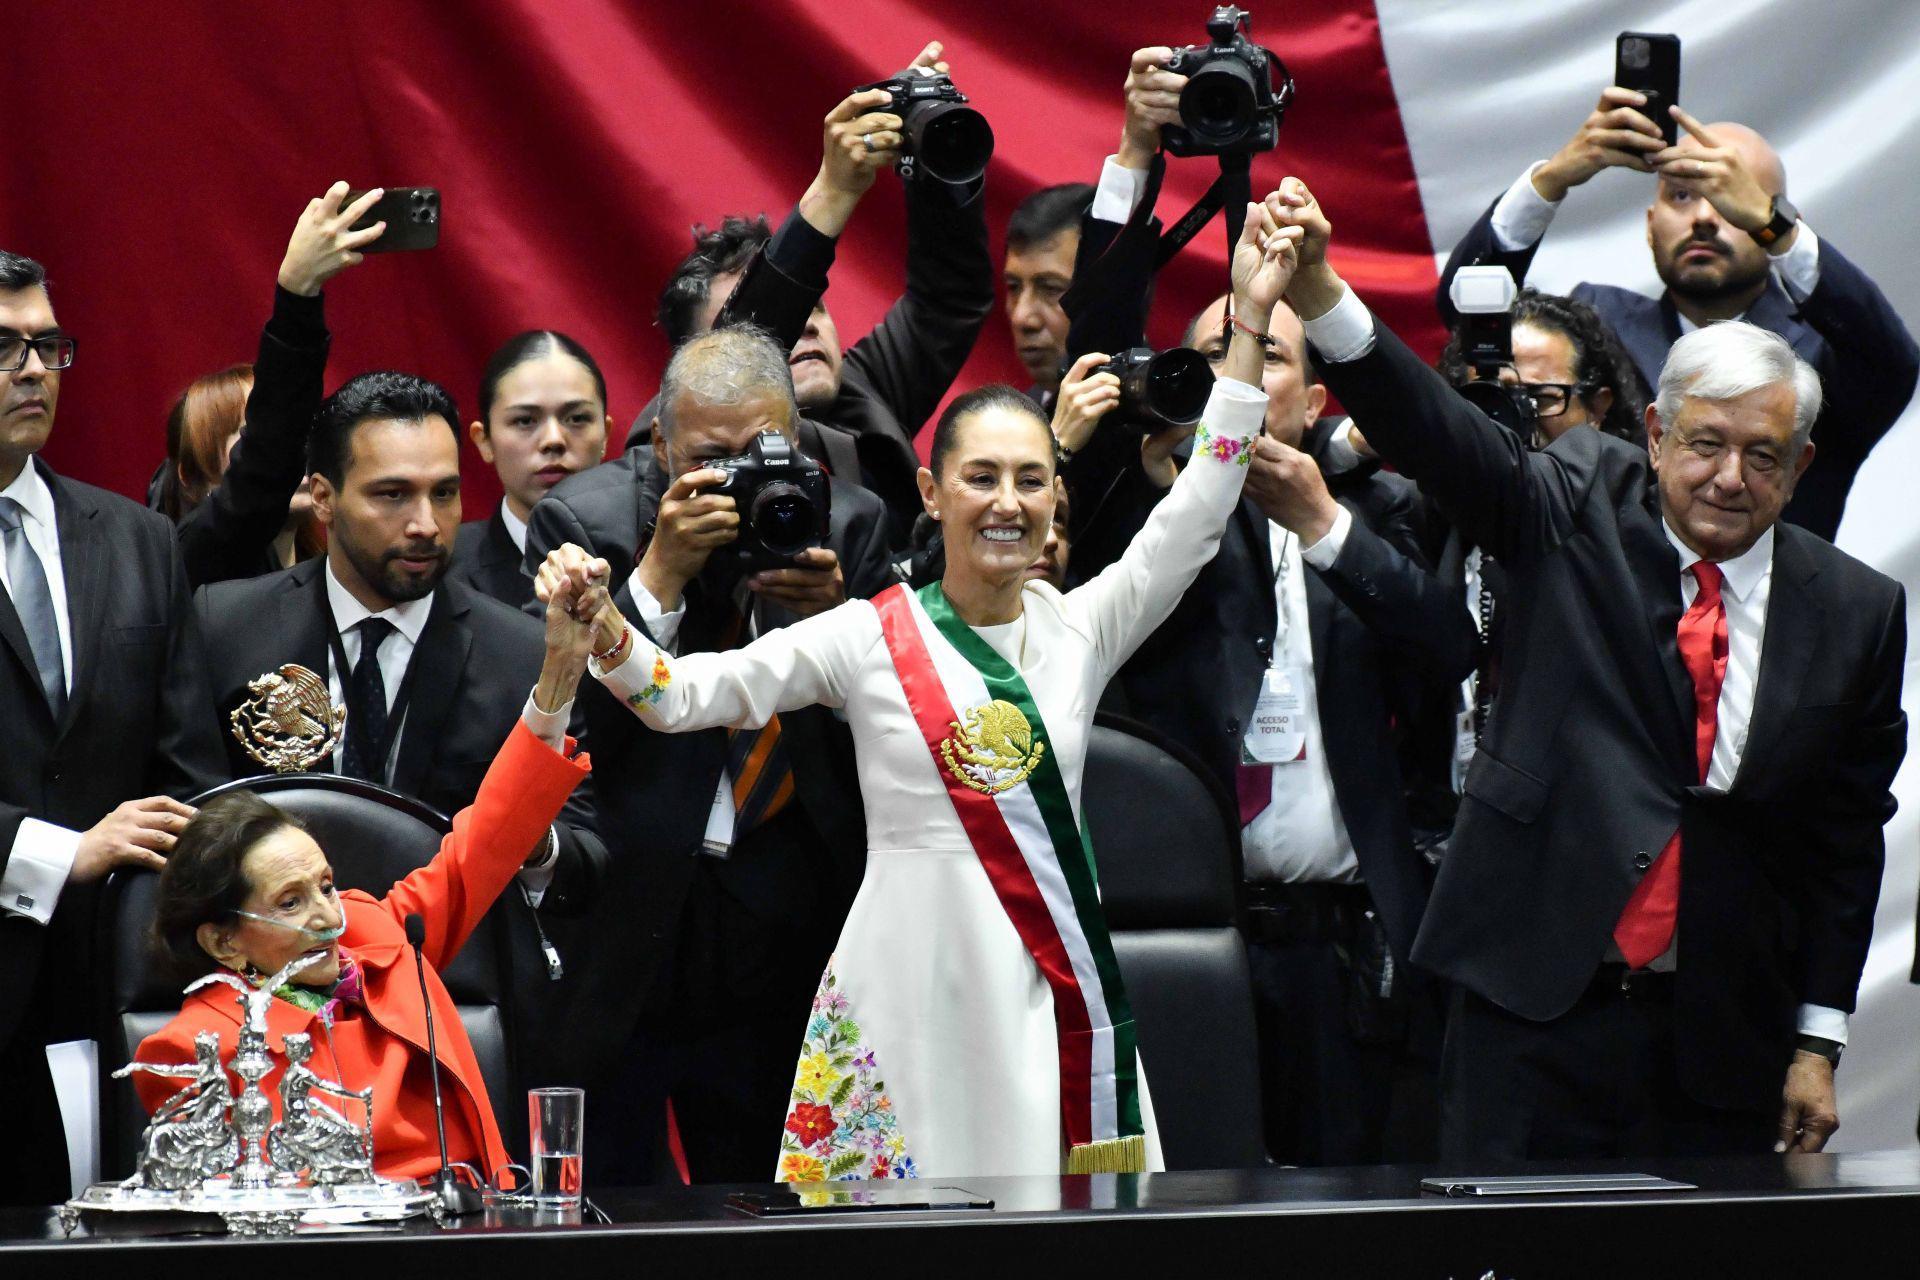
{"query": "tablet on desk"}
{"type": "Point", "coordinates": [1533, 1184]}
{"type": "Point", "coordinates": [853, 1197]}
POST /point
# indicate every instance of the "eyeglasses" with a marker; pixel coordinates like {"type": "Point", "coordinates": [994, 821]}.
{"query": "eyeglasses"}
{"type": "Point", "coordinates": [1550, 399]}
{"type": "Point", "coordinates": [55, 350]}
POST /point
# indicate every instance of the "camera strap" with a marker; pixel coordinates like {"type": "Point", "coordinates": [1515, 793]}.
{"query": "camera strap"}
{"type": "Point", "coordinates": [1229, 195]}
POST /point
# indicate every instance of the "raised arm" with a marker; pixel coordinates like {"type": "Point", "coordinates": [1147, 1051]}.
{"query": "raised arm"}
{"type": "Point", "coordinates": [1123, 605]}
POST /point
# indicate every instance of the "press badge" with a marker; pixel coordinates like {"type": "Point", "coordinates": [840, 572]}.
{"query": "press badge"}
{"type": "Point", "coordinates": [1277, 729]}
{"type": "Point", "coordinates": [717, 841]}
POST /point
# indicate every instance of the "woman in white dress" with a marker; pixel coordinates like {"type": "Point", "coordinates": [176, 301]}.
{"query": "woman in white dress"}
{"type": "Point", "coordinates": [971, 1021]}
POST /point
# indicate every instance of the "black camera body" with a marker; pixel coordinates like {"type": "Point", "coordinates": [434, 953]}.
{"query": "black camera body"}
{"type": "Point", "coordinates": [1159, 389]}
{"type": "Point", "coordinates": [941, 135]}
{"type": "Point", "coordinates": [1484, 297]}
{"type": "Point", "coordinates": [1231, 105]}
{"type": "Point", "coordinates": [783, 499]}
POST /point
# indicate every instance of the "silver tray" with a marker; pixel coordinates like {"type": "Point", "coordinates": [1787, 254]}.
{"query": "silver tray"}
{"type": "Point", "coordinates": [270, 1211]}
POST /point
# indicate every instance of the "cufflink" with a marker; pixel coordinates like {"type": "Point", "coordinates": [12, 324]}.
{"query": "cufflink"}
{"type": "Point", "coordinates": [22, 902]}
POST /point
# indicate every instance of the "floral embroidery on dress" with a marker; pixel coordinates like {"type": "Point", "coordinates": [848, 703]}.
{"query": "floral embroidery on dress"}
{"type": "Point", "coordinates": [1223, 448]}
{"type": "Point", "coordinates": [841, 1124]}
{"type": "Point", "coordinates": [662, 677]}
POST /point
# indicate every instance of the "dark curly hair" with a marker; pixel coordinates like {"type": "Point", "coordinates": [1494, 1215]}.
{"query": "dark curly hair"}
{"type": "Point", "coordinates": [715, 252]}
{"type": "Point", "coordinates": [1598, 358]}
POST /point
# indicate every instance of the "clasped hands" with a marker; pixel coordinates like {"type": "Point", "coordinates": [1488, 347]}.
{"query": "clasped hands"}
{"type": "Point", "coordinates": [581, 616]}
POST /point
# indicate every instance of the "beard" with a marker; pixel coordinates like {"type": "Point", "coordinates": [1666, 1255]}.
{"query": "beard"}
{"type": "Point", "coordinates": [381, 571]}
{"type": "Point", "coordinates": [1737, 278]}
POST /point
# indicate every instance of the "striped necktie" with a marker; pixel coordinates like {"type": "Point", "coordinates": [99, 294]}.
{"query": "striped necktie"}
{"type": "Point", "coordinates": [757, 760]}
{"type": "Point", "coordinates": [33, 601]}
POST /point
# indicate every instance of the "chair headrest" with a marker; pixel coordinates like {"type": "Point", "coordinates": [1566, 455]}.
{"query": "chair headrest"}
{"type": "Point", "coordinates": [1167, 853]}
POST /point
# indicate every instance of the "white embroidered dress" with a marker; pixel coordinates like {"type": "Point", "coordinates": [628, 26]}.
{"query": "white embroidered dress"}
{"type": "Point", "coordinates": [931, 1049]}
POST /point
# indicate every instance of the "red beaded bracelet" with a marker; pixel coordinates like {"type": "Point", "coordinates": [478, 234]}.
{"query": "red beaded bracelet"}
{"type": "Point", "coordinates": [619, 648]}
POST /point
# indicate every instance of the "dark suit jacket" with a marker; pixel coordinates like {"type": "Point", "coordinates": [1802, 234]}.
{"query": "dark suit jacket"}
{"type": "Point", "coordinates": [893, 378]}
{"type": "Point", "coordinates": [135, 724]}
{"type": "Point", "coordinates": [1846, 329]}
{"type": "Point", "coordinates": [1375, 611]}
{"type": "Point", "coordinates": [1588, 765]}
{"type": "Point", "coordinates": [231, 533]}
{"type": "Point", "coordinates": [656, 789]}
{"type": "Point", "coordinates": [486, 561]}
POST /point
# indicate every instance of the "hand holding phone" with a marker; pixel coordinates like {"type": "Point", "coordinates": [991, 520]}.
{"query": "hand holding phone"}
{"type": "Point", "coordinates": [1649, 63]}
{"type": "Point", "coordinates": [412, 215]}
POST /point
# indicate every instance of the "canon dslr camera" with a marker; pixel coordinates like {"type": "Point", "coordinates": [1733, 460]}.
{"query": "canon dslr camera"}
{"type": "Point", "coordinates": [1159, 389]}
{"type": "Point", "coordinates": [941, 135]}
{"type": "Point", "coordinates": [782, 497]}
{"type": "Point", "coordinates": [1230, 105]}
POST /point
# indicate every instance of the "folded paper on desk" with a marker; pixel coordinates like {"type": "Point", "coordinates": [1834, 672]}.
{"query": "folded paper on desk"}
{"type": "Point", "coordinates": [844, 1197]}
{"type": "Point", "coordinates": [1531, 1184]}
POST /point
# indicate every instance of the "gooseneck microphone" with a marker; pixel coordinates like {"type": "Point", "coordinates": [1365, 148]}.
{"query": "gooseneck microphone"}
{"type": "Point", "coordinates": [455, 1197]}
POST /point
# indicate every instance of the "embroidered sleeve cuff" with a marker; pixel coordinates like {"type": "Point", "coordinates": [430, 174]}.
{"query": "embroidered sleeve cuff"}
{"type": "Point", "coordinates": [1118, 192]}
{"type": "Point", "coordinates": [548, 726]}
{"type": "Point", "coordinates": [1323, 553]}
{"type": "Point", "coordinates": [1344, 333]}
{"type": "Point", "coordinates": [1523, 214]}
{"type": "Point", "coordinates": [1234, 414]}
{"type": "Point", "coordinates": [1799, 267]}
{"type": "Point", "coordinates": [662, 626]}
{"type": "Point", "coordinates": [1817, 1019]}
{"type": "Point", "coordinates": [642, 677]}
{"type": "Point", "coordinates": [37, 869]}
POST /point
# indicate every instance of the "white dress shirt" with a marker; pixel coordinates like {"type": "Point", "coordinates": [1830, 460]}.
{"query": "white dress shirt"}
{"type": "Point", "coordinates": [516, 528]}
{"type": "Point", "coordinates": [1346, 332]}
{"type": "Point", "coordinates": [1523, 215]}
{"type": "Point", "coordinates": [42, 853]}
{"type": "Point", "coordinates": [1300, 836]}
{"type": "Point", "coordinates": [1119, 191]}
{"type": "Point", "coordinates": [409, 619]}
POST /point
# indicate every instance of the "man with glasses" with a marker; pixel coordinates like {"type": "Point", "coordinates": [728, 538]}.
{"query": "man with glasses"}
{"type": "Point", "coordinates": [1727, 244]}
{"type": "Point", "coordinates": [105, 722]}
{"type": "Point", "coordinates": [1658, 898]}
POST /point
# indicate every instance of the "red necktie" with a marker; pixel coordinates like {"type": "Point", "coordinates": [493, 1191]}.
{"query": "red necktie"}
{"type": "Point", "coordinates": [1645, 929]}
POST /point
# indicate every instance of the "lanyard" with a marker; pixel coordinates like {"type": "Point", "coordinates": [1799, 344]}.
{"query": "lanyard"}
{"type": "Point", "coordinates": [1283, 599]}
{"type": "Point", "coordinates": [396, 710]}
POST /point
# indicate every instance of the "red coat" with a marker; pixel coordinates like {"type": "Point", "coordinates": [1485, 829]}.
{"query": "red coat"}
{"type": "Point", "coordinates": [384, 1043]}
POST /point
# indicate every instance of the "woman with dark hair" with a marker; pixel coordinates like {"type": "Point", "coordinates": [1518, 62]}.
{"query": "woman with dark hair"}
{"type": "Point", "coordinates": [1571, 366]}
{"type": "Point", "coordinates": [248, 890]}
{"type": "Point", "coordinates": [972, 1020]}
{"type": "Point", "coordinates": [543, 417]}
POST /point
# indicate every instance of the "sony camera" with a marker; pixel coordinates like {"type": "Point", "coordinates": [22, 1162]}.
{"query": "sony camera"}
{"type": "Point", "coordinates": [942, 136]}
{"type": "Point", "coordinates": [1231, 105]}
{"type": "Point", "coordinates": [1159, 389]}
{"type": "Point", "coordinates": [1484, 297]}
{"type": "Point", "coordinates": [782, 497]}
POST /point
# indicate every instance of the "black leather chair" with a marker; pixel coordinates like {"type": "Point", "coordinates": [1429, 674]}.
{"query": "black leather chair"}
{"type": "Point", "coordinates": [373, 837]}
{"type": "Point", "coordinates": [1168, 849]}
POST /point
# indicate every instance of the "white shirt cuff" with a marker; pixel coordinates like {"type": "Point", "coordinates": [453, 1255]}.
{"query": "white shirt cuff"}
{"type": "Point", "coordinates": [663, 626]}
{"type": "Point", "coordinates": [1337, 454]}
{"type": "Point", "coordinates": [1523, 215]}
{"type": "Point", "coordinates": [1344, 333]}
{"type": "Point", "coordinates": [1323, 553]}
{"type": "Point", "coordinates": [37, 869]}
{"type": "Point", "coordinates": [548, 726]}
{"type": "Point", "coordinates": [1119, 191]}
{"type": "Point", "coordinates": [1818, 1020]}
{"type": "Point", "coordinates": [1799, 267]}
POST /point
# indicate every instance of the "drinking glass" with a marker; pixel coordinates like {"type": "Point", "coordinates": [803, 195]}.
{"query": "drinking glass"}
{"type": "Point", "coordinates": [554, 1119]}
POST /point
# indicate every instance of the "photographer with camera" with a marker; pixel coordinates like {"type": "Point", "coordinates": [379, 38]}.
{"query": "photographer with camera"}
{"type": "Point", "coordinates": [881, 389]}
{"type": "Point", "coordinates": [734, 853]}
{"type": "Point", "coordinates": [1727, 245]}
{"type": "Point", "coordinates": [1656, 925]}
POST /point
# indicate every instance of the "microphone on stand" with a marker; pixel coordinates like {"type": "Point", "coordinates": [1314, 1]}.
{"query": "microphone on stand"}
{"type": "Point", "coordinates": [455, 1197]}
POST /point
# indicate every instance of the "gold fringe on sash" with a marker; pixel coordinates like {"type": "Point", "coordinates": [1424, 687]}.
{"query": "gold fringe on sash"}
{"type": "Point", "coordinates": [1109, 1155]}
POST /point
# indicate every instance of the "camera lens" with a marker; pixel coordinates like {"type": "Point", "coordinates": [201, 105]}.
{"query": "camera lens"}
{"type": "Point", "coordinates": [1178, 383]}
{"type": "Point", "coordinates": [1218, 106]}
{"type": "Point", "coordinates": [950, 140]}
{"type": "Point", "coordinates": [1636, 53]}
{"type": "Point", "coordinates": [783, 519]}
{"type": "Point", "coordinates": [1508, 406]}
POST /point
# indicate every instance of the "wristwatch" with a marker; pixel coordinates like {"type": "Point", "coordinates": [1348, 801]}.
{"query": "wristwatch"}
{"type": "Point", "coordinates": [1782, 217]}
{"type": "Point", "coordinates": [1828, 1049]}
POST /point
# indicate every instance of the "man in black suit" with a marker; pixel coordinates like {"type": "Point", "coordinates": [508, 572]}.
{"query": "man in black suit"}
{"type": "Point", "coordinates": [449, 666]}
{"type": "Point", "coordinates": [1043, 238]}
{"type": "Point", "coordinates": [727, 880]}
{"type": "Point", "coordinates": [1659, 895]}
{"type": "Point", "coordinates": [1314, 608]}
{"type": "Point", "coordinates": [1728, 245]}
{"type": "Point", "coordinates": [882, 389]}
{"type": "Point", "coordinates": [105, 727]}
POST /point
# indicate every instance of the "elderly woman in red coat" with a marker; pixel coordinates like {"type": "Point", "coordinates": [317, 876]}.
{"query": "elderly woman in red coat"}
{"type": "Point", "coordinates": [247, 889]}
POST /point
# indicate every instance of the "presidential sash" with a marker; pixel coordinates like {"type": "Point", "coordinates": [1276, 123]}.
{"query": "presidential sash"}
{"type": "Point", "coordinates": [992, 751]}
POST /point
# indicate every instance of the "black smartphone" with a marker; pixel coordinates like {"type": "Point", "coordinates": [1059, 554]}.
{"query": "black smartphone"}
{"type": "Point", "coordinates": [412, 215]}
{"type": "Point", "coordinates": [1649, 62]}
